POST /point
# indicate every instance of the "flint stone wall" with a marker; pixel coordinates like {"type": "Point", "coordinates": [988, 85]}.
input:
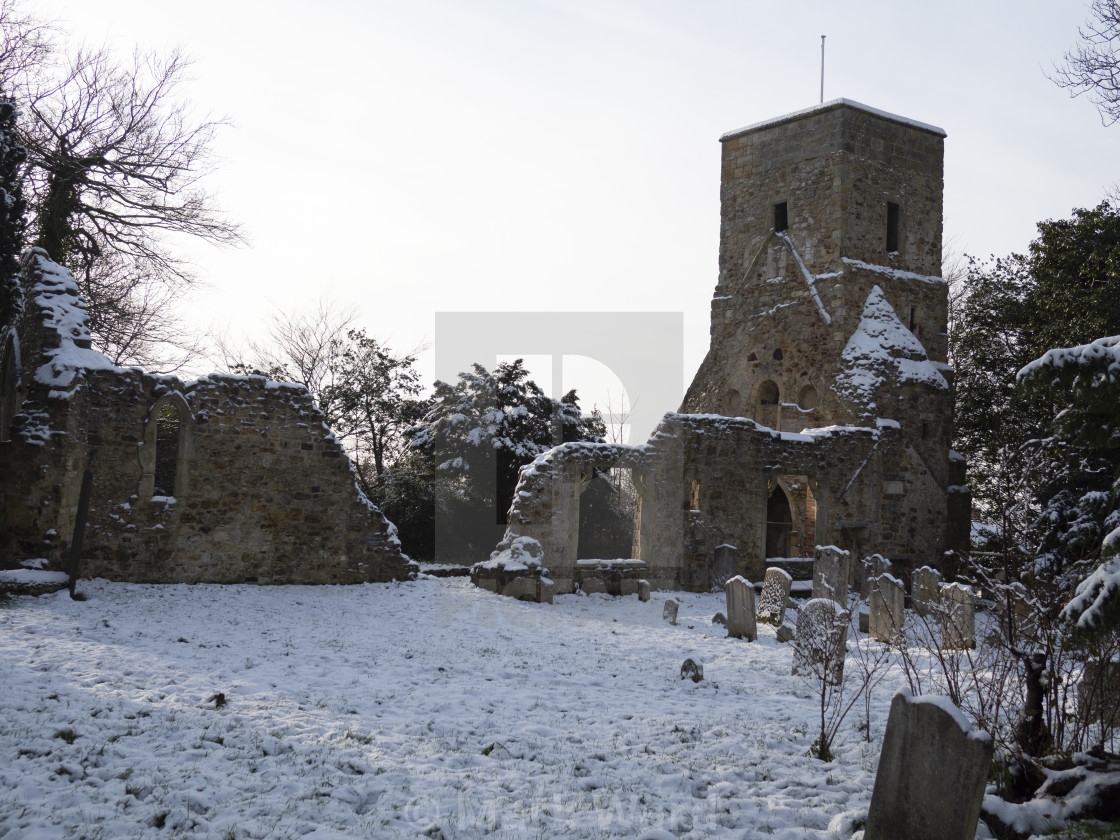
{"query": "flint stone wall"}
{"type": "Point", "coordinates": [263, 490]}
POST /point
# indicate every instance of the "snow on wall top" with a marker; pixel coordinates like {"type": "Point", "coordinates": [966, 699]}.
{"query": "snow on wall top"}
{"type": "Point", "coordinates": [882, 346]}
{"type": "Point", "coordinates": [64, 313]}
{"type": "Point", "coordinates": [829, 106]}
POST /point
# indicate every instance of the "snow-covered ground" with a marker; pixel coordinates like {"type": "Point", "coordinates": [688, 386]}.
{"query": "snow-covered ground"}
{"type": "Point", "coordinates": [430, 708]}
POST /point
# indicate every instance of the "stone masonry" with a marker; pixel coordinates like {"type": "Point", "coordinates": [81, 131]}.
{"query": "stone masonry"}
{"type": "Point", "coordinates": [257, 488]}
{"type": "Point", "coordinates": [822, 413]}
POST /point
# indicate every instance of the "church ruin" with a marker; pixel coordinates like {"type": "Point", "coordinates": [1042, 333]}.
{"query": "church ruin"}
{"type": "Point", "coordinates": [227, 479]}
{"type": "Point", "coordinates": [822, 413]}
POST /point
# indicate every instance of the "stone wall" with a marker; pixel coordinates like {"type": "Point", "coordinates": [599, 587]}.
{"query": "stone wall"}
{"type": "Point", "coordinates": [262, 491]}
{"type": "Point", "coordinates": [872, 492]}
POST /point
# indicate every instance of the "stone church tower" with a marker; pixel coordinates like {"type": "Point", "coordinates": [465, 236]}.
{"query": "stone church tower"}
{"type": "Point", "coordinates": [830, 309]}
{"type": "Point", "coordinates": [822, 414]}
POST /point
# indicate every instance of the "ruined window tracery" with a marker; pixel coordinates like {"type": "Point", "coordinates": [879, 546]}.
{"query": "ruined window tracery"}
{"type": "Point", "coordinates": [167, 449]}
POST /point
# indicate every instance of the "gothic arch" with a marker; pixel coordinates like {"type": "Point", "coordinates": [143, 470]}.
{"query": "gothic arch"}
{"type": "Point", "coordinates": [184, 447]}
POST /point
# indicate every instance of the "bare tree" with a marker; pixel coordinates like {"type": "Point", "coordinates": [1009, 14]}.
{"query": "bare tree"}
{"type": "Point", "coordinates": [115, 166]}
{"type": "Point", "coordinates": [117, 161]}
{"type": "Point", "coordinates": [1093, 66]}
{"type": "Point", "coordinates": [26, 47]}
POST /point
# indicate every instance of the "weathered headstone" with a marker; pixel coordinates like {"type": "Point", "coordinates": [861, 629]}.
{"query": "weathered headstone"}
{"type": "Point", "coordinates": [888, 600]}
{"type": "Point", "coordinates": [643, 590]}
{"type": "Point", "coordinates": [869, 569]}
{"type": "Point", "coordinates": [958, 616]}
{"type": "Point", "coordinates": [785, 633]}
{"type": "Point", "coordinates": [669, 613]}
{"type": "Point", "coordinates": [775, 595]}
{"type": "Point", "coordinates": [830, 573]}
{"type": "Point", "coordinates": [740, 609]}
{"type": "Point", "coordinates": [724, 565]}
{"type": "Point", "coordinates": [932, 773]}
{"type": "Point", "coordinates": [925, 589]}
{"type": "Point", "coordinates": [822, 640]}
{"type": "Point", "coordinates": [692, 670]}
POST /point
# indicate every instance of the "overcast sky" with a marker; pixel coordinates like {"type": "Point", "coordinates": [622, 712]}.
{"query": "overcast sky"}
{"type": "Point", "coordinates": [413, 156]}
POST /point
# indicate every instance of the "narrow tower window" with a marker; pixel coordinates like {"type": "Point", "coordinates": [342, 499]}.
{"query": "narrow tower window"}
{"type": "Point", "coordinates": [781, 217]}
{"type": "Point", "coordinates": [892, 227]}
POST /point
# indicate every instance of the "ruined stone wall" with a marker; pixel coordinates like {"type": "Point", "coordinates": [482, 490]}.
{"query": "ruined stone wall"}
{"type": "Point", "coordinates": [546, 503]}
{"type": "Point", "coordinates": [263, 492]}
{"type": "Point", "coordinates": [873, 493]}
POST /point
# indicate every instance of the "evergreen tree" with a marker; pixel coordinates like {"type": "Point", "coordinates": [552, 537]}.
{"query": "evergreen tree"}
{"type": "Point", "coordinates": [479, 433]}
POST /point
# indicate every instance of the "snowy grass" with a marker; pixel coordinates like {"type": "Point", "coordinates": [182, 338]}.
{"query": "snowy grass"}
{"type": "Point", "coordinates": [430, 708]}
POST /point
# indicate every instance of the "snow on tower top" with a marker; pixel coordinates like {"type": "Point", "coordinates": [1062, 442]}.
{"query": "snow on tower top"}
{"type": "Point", "coordinates": [829, 106]}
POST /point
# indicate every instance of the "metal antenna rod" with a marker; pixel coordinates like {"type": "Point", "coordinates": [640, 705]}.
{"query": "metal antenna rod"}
{"type": "Point", "coordinates": [822, 69]}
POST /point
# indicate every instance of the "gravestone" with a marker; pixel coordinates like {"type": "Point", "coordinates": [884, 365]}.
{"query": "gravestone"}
{"type": "Point", "coordinates": [740, 609]}
{"type": "Point", "coordinates": [958, 616]}
{"type": "Point", "coordinates": [692, 670]}
{"type": "Point", "coordinates": [925, 589]}
{"type": "Point", "coordinates": [888, 601]}
{"type": "Point", "coordinates": [869, 569]}
{"type": "Point", "coordinates": [719, 618]}
{"type": "Point", "coordinates": [669, 613]}
{"type": "Point", "coordinates": [724, 566]}
{"type": "Point", "coordinates": [643, 590]}
{"type": "Point", "coordinates": [775, 596]}
{"type": "Point", "coordinates": [830, 574]}
{"type": "Point", "coordinates": [822, 640]}
{"type": "Point", "coordinates": [932, 773]}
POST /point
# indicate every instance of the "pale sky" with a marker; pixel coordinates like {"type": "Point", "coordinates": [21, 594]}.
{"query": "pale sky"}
{"type": "Point", "coordinates": [413, 156]}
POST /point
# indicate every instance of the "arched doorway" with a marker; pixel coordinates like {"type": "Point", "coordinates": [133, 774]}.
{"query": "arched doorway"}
{"type": "Point", "coordinates": [779, 523]}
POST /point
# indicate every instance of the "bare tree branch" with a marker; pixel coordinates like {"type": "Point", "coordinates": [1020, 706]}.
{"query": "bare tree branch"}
{"type": "Point", "coordinates": [1093, 66]}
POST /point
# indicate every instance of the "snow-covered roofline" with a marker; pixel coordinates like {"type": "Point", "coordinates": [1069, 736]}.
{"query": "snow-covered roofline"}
{"type": "Point", "coordinates": [830, 106]}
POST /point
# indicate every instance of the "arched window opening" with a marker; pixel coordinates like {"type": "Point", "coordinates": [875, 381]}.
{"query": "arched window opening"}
{"type": "Point", "coordinates": [807, 399]}
{"type": "Point", "coordinates": [168, 427]}
{"type": "Point", "coordinates": [768, 393]}
{"type": "Point", "coordinates": [168, 448]}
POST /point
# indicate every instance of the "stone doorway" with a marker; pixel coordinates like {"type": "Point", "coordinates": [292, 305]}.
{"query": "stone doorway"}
{"type": "Point", "coordinates": [779, 524]}
{"type": "Point", "coordinates": [606, 516]}
{"type": "Point", "coordinates": [791, 517]}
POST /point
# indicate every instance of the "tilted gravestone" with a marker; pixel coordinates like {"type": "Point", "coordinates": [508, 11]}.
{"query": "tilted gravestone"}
{"type": "Point", "coordinates": [830, 573]}
{"type": "Point", "coordinates": [775, 595]}
{"type": "Point", "coordinates": [724, 565]}
{"type": "Point", "coordinates": [822, 640]}
{"type": "Point", "coordinates": [932, 773]}
{"type": "Point", "coordinates": [925, 589]}
{"type": "Point", "coordinates": [888, 600]}
{"type": "Point", "coordinates": [958, 616]}
{"type": "Point", "coordinates": [669, 613]}
{"type": "Point", "coordinates": [869, 569]}
{"type": "Point", "coordinates": [740, 609]}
